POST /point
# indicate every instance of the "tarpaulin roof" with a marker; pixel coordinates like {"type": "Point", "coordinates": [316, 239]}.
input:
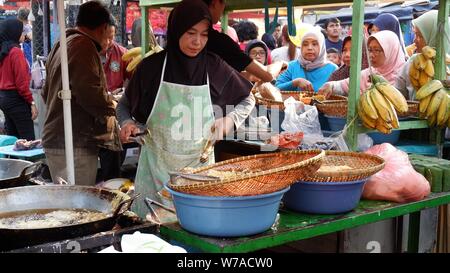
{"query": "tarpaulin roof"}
{"type": "Point", "coordinates": [401, 12]}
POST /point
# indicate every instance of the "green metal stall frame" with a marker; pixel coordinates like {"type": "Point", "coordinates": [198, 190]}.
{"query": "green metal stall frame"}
{"type": "Point", "coordinates": [294, 226]}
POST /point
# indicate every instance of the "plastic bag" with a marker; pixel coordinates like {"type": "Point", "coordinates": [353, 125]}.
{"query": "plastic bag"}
{"type": "Point", "coordinates": [398, 181]}
{"type": "Point", "coordinates": [299, 117]}
{"type": "Point", "coordinates": [37, 74]}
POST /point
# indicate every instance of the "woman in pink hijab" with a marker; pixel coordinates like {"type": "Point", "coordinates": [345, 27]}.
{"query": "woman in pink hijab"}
{"type": "Point", "coordinates": [386, 58]}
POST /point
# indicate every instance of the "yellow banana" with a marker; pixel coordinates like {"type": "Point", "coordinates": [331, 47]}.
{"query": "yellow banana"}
{"type": "Point", "coordinates": [149, 53]}
{"type": "Point", "coordinates": [435, 102]}
{"type": "Point", "coordinates": [423, 78]}
{"type": "Point", "coordinates": [420, 62]}
{"type": "Point", "coordinates": [415, 83]}
{"type": "Point", "coordinates": [429, 68]}
{"type": "Point", "coordinates": [423, 104]}
{"type": "Point", "coordinates": [367, 105]}
{"type": "Point", "coordinates": [383, 126]}
{"type": "Point", "coordinates": [366, 121]}
{"type": "Point", "coordinates": [431, 120]}
{"type": "Point", "coordinates": [393, 113]}
{"type": "Point", "coordinates": [414, 73]}
{"type": "Point", "coordinates": [428, 89]}
{"type": "Point", "coordinates": [130, 54]}
{"type": "Point", "coordinates": [394, 96]}
{"type": "Point", "coordinates": [442, 112]}
{"type": "Point", "coordinates": [158, 49]}
{"type": "Point", "coordinates": [381, 105]}
{"type": "Point", "coordinates": [132, 65]}
{"type": "Point", "coordinates": [429, 52]}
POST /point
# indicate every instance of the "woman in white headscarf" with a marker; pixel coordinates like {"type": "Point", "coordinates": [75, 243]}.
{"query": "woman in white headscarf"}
{"type": "Point", "coordinates": [312, 69]}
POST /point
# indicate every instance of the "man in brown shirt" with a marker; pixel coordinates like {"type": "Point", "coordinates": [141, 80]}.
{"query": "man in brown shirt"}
{"type": "Point", "coordinates": [90, 103]}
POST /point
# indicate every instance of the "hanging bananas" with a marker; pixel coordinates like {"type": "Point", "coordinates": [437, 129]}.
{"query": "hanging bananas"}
{"type": "Point", "coordinates": [134, 56]}
{"type": "Point", "coordinates": [378, 106]}
{"type": "Point", "coordinates": [421, 70]}
{"type": "Point", "coordinates": [434, 103]}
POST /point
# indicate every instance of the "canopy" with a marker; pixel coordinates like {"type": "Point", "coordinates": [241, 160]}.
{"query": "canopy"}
{"type": "Point", "coordinates": [403, 13]}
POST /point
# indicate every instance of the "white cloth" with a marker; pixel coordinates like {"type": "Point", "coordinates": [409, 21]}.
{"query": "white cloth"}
{"type": "Point", "coordinates": [282, 54]}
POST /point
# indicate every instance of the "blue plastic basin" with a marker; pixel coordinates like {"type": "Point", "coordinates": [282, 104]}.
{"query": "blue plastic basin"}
{"type": "Point", "coordinates": [227, 216]}
{"type": "Point", "coordinates": [324, 197]}
{"type": "Point", "coordinates": [336, 123]}
{"type": "Point", "coordinates": [379, 138]}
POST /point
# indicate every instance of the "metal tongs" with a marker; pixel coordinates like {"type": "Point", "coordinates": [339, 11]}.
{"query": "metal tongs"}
{"type": "Point", "coordinates": [192, 176]}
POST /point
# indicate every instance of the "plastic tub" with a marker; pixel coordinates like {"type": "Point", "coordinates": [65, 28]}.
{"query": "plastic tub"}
{"type": "Point", "coordinates": [336, 123]}
{"type": "Point", "coordinates": [324, 197]}
{"type": "Point", "coordinates": [379, 138]}
{"type": "Point", "coordinates": [226, 216]}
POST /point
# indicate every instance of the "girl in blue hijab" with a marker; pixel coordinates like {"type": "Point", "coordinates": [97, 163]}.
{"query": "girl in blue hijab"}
{"type": "Point", "coordinates": [387, 21]}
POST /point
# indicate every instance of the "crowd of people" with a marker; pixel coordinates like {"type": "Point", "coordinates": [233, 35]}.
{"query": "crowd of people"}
{"type": "Point", "coordinates": [202, 69]}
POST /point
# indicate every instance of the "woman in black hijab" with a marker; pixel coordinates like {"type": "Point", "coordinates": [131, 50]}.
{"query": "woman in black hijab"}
{"type": "Point", "coordinates": [16, 100]}
{"type": "Point", "coordinates": [184, 95]}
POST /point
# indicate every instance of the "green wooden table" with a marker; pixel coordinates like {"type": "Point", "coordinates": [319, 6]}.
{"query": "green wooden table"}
{"type": "Point", "coordinates": [292, 226]}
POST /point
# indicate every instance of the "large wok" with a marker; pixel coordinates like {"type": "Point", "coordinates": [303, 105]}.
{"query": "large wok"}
{"type": "Point", "coordinates": [112, 203]}
{"type": "Point", "coordinates": [15, 172]}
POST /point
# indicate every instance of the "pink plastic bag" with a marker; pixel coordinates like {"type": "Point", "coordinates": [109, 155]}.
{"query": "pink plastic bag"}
{"type": "Point", "coordinates": [398, 181]}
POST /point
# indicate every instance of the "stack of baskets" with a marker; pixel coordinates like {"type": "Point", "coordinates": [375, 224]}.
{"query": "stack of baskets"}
{"type": "Point", "coordinates": [247, 201]}
{"type": "Point", "coordinates": [337, 186]}
{"type": "Point", "coordinates": [252, 175]}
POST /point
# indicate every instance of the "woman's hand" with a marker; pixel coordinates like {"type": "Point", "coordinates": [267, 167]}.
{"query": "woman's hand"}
{"type": "Point", "coordinates": [127, 130]}
{"type": "Point", "coordinates": [34, 112]}
{"type": "Point", "coordinates": [326, 90]}
{"type": "Point", "coordinates": [303, 84]}
{"type": "Point", "coordinates": [222, 127]}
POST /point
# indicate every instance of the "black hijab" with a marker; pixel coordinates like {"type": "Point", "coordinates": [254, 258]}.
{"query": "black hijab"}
{"type": "Point", "coordinates": [181, 68]}
{"type": "Point", "coordinates": [10, 32]}
{"type": "Point", "coordinates": [227, 86]}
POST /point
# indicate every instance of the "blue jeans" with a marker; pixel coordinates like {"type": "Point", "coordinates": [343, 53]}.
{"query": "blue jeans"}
{"type": "Point", "coordinates": [17, 112]}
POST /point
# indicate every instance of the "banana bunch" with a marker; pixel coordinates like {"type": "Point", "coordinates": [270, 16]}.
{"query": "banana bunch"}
{"type": "Point", "coordinates": [434, 103]}
{"type": "Point", "coordinates": [378, 106]}
{"type": "Point", "coordinates": [134, 56]}
{"type": "Point", "coordinates": [421, 70]}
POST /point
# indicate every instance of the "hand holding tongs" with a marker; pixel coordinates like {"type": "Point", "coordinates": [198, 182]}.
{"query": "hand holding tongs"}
{"type": "Point", "coordinates": [209, 145]}
{"type": "Point", "coordinates": [139, 138]}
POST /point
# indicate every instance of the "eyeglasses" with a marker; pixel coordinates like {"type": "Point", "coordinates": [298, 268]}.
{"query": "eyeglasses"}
{"type": "Point", "coordinates": [375, 51]}
{"type": "Point", "coordinates": [256, 53]}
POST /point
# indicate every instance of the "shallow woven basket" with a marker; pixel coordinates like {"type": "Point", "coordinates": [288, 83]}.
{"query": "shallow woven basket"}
{"type": "Point", "coordinates": [256, 174]}
{"type": "Point", "coordinates": [336, 108]}
{"type": "Point", "coordinates": [286, 94]}
{"type": "Point", "coordinates": [362, 166]}
{"type": "Point", "coordinates": [413, 110]}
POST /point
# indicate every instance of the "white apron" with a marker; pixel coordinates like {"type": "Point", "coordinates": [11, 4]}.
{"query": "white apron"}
{"type": "Point", "coordinates": [180, 124]}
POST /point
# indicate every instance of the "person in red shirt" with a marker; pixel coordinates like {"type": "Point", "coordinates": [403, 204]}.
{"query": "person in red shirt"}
{"type": "Point", "coordinates": [116, 79]}
{"type": "Point", "coordinates": [115, 69]}
{"type": "Point", "coordinates": [16, 100]}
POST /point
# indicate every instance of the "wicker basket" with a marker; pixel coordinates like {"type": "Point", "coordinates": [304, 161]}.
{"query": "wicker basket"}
{"type": "Point", "coordinates": [413, 110]}
{"type": "Point", "coordinates": [256, 174]}
{"type": "Point", "coordinates": [273, 104]}
{"type": "Point", "coordinates": [334, 108]}
{"type": "Point", "coordinates": [359, 166]}
{"type": "Point", "coordinates": [337, 108]}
